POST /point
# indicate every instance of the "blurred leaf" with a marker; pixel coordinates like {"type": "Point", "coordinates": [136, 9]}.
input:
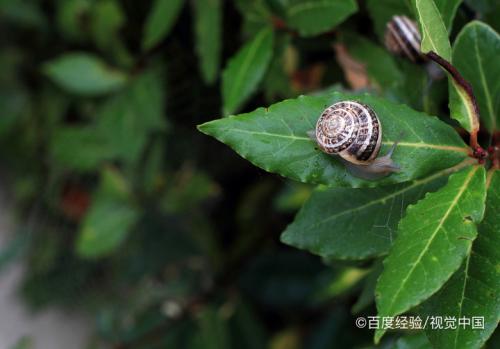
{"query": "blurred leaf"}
{"type": "Point", "coordinates": [14, 101]}
{"type": "Point", "coordinates": [418, 341]}
{"type": "Point", "coordinates": [160, 21]}
{"type": "Point", "coordinates": [247, 331]}
{"type": "Point", "coordinates": [312, 17]}
{"type": "Point", "coordinates": [276, 84]}
{"type": "Point", "coordinates": [292, 197]}
{"type": "Point", "coordinates": [71, 16]}
{"type": "Point", "coordinates": [113, 185]}
{"type": "Point", "coordinates": [126, 120]}
{"type": "Point", "coordinates": [433, 29]}
{"type": "Point", "coordinates": [367, 295]}
{"type": "Point", "coordinates": [474, 290]}
{"type": "Point", "coordinates": [187, 189]}
{"type": "Point", "coordinates": [109, 220]}
{"type": "Point", "coordinates": [379, 64]}
{"type": "Point", "coordinates": [84, 74]}
{"type": "Point", "coordinates": [433, 239]}
{"type": "Point", "coordinates": [208, 27]}
{"type": "Point", "coordinates": [340, 283]}
{"type": "Point", "coordinates": [382, 11]}
{"type": "Point", "coordinates": [285, 339]}
{"type": "Point", "coordinates": [79, 148]}
{"type": "Point", "coordinates": [212, 331]}
{"type": "Point", "coordinates": [24, 13]}
{"type": "Point", "coordinates": [276, 140]}
{"type": "Point", "coordinates": [256, 15]}
{"type": "Point", "coordinates": [107, 19]}
{"type": "Point", "coordinates": [324, 226]}
{"type": "Point", "coordinates": [475, 55]}
{"type": "Point", "coordinates": [245, 70]}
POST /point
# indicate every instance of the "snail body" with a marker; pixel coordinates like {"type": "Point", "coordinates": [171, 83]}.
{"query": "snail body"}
{"type": "Point", "coordinates": [352, 131]}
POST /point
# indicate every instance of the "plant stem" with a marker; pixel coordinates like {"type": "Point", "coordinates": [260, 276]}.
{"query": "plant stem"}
{"type": "Point", "coordinates": [467, 88]}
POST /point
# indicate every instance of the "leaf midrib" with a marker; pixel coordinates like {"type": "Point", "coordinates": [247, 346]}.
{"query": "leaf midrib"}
{"type": "Point", "coordinates": [388, 142]}
{"type": "Point", "coordinates": [434, 233]}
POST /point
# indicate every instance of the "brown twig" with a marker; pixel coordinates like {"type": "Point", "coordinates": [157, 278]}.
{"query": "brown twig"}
{"type": "Point", "coordinates": [479, 152]}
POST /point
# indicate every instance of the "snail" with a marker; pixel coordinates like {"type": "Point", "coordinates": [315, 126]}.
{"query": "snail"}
{"type": "Point", "coordinates": [402, 38]}
{"type": "Point", "coordinates": [353, 131]}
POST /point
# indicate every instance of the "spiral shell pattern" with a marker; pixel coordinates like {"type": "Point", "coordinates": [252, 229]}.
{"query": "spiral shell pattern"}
{"type": "Point", "coordinates": [402, 38]}
{"type": "Point", "coordinates": [351, 130]}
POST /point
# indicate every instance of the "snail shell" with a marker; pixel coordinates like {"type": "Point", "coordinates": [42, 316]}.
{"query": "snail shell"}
{"type": "Point", "coordinates": [403, 38]}
{"type": "Point", "coordinates": [351, 130]}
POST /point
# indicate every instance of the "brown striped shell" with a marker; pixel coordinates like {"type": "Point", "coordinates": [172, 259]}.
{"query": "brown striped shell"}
{"type": "Point", "coordinates": [402, 38]}
{"type": "Point", "coordinates": [351, 130]}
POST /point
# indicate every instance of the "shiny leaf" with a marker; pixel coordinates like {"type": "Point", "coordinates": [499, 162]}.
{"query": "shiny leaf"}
{"type": "Point", "coordinates": [345, 223]}
{"type": "Point", "coordinates": [476, 53]}
{"type": "Point", "coordinates": [433, 29]}
{"type": "Point", "coordinates": [433, 239]}
{"type": "Point", "coordinates": [276, 140]}
{"type": "Point", "coordinates": [474, 290]}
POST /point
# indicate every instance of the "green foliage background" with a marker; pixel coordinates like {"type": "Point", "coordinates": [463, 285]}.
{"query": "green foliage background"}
{"type": "Point", "coordinates": [169, 239]}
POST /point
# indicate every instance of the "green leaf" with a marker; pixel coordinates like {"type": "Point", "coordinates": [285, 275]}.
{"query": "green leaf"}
{"type": "Point", "coordinates": [417, 341]}
{"type": "Point", "coordinates": [245, 70]}
{"type": "Point", "coordinates": [312, 17]}
{"type": "Point", "coordinates": [474, 290]}
{"type": "Point", "coordinates": [208, 25]}
{"type": "Point", "coordinates": [129, 118]}
{"type": "Point", "coordinates": [276, 140]}
{"type": "Point", "coordinates": [79, 148]}
{"type": "Point", "coordinates": [448, 9]}
{"type": "Point", "coordinates": [69, 18]}
{"type": "Point", "coordinates": [367, 295]}
{"type": "Point", "coordinates": [435, 38]}
{"type": "Point", "coordinates": [160, 21]}
{"type": "Point", "coordinates": [105, 227]}
{"type": "Point", "coordinates": [324, 226]}
{"type": "Point", "coordinates": [84, 74]}
{"type": "Point", "coordinates": [256, 15]}
{"type": "Point", "coordinates": [107, 19]}
{"type": "Point", "coordinates": [382, 11]}
{"type": "Point", "coordinates": [433, 29]}
{"type": "Point", "coordinates": [110, 218]}
{"type": "Point", "coordinates": [213, 332]}
{"type": "Point", "coordinates": [475, 55]}
{"type": "Point", "coordinates": [433, 239]}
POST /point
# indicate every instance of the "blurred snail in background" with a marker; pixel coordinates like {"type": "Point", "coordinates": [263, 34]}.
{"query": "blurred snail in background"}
{"type": "Point", "coordinates": [402, 38]}
{"type": "Point", "coordinates": [353, 131]}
